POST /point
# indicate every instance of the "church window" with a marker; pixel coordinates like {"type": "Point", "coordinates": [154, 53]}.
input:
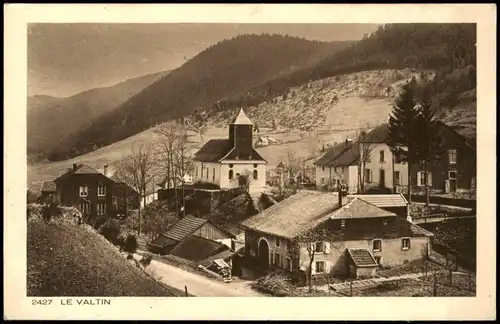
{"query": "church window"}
{"type": "Point", "coordinates": [255, 165]}
{"type": "Point", "coordinates": [231, 165]}
{"type": "Point", "coordinates": [230, 174]}
{"type": "Point", "coordinates": [255, 174]}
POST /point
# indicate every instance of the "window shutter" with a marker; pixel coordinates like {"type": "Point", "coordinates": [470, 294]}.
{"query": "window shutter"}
{"type": "Point", "coordinates": [326, 247]}
{"type": "Point", "coordinates": [370, 177]}
{"type": "Point", "coordinates": [429, 179]}
{"type": "Point", "coordinates": [419, 175]}
{"type": "Point", "coordinates": [328, 266]}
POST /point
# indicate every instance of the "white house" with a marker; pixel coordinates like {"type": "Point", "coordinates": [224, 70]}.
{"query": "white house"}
{"type": "Point", "coordinates": [340, 162]}
{"type": "Point", "coordinates": [232, 162]}
{"type": "Point", "coordinates": [380, 168]}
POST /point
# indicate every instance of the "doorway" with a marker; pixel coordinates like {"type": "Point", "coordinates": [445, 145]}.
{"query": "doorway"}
{"type": "Point", "coordinates": [382, 179]}
{"type": "Point", "coordinates": [452, 177]}
{"type": "Point", "coordinates": [263, 253]}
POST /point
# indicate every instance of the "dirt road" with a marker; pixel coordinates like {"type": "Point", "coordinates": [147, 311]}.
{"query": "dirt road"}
{"type": "Point", "coordinates": [198, 285]}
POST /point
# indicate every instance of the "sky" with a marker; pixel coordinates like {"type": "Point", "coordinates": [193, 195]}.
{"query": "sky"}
{"type": "Point", "coordinates": [65, 59]}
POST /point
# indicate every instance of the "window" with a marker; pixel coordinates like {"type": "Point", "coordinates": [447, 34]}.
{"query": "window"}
{"type": "Point", "coordinates": [231, 166]}
{"type": "Point", "coordinates": [452, 175]}
{"type": "Point", "coordinates": [405, 243]}
{"type": "Point", "coordinates": [452, 156]}
{"type": "Point", "coordinates": [396, 178]}
{"type": "Point", "coordinates": [213, 174]}
{"type": "Point", "coordinates": [115, 202]}
{"type": "Point", "coordinates": [207, 173]}
{"type": "Point", "coordinates": [342, 223]}
{"type": "Point", "coordinates": [276, 258]}
{"type": "Point", "coordinates": [377, 245]}
{"type": "Point", "coordinates": [368, 174]}
{"type": "Point", "coordinates": [322, 181]}
{"type": "Point", "coordinates": [101, 190]}
{"type": "Point", "coordinates": [255, 175]}
{"type": "Point", "coordinates": [318, 247]}
{"type": "Point", "coordinates": [322, 168]}
{"type": "Point", "coordinates": [84, 191]}
{"type": "Point", "coordinates": [423, 177]}
{"type": "Point", "coordinates": [101, 209]}
{"type": "Point", "coordinates": [288, 264]}
{"type": "Point", "coordinates": [84, 208]}
{"type": "Point", "coordinates": [278, 242]}
{"type": "Point", "coordinates": [320, 266]}
{"type": "Point", "coordinates": [384, 222]}
{"type": "Point", "coordinates": [230, 174]}
{"type": "Point", "coordinates": [255, 165]}
{"type": "Point", "coordinates": [201, 173]}
{"type": "Point", "coordinates": [382, 153]}
{"type": "Point", "coordinates": [196, 172]}
{"type": "Point", "coordinates": [288, 244]}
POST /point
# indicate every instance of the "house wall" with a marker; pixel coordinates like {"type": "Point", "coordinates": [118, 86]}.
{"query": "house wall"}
{"type": "Point", "coordinates": [242, 167]}
{"type": "Point", "coordinates": [252, 240]}
{"type": "Point", "coordinates": [211, 166]}
{"type": "Point", "coordinates": [465, 165]}
{"type": "Point", "coordinates": [336, 261]}
{"type": "Point", "coordinates": [329, 175]}
{"type": "Point", "coordinates": [209, 231]}
{"type": "Point", "coordinates": [68, 192]}
{"type": "Point", "coordinates": [375, 165]}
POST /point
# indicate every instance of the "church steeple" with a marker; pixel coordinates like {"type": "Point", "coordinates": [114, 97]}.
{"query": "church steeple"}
{"type": "Point", "coordinates": [241, 134]}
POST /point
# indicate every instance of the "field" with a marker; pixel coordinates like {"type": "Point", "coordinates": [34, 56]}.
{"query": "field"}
{"type": "Point", "coordinates": [306, 121]}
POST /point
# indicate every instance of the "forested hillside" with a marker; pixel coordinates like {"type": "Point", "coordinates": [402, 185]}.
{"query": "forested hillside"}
{"type": "Point", "coordinates": [49, 119]}
{"type": "Point", "coordinates": [222, 70]}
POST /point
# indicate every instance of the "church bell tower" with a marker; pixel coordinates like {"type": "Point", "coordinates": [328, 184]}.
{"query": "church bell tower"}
{"type": "Point", "coordinates": [241, 136]}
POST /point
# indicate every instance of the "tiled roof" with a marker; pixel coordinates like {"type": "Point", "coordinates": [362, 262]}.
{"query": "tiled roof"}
{"type": "Point", "coordinates": [370, 229]}
{"type": "Point", "coordinates": [242, 119]}
{"type": "Point", "coordinates": [362, 258]}
{"type": "Point", "coordinates": [163, 241]}
{"type": "Point", "coordinates": [331, 154]}
{"type": "Point", "coordinates": [358, 208]}
{"type": "Point", "coordinates": [254, 157]}
{"type": "Point", "coordinates": [294, 215]}
{"type": "Point", "coordinates": [388, 200]}
{"type": "Point", "coordinates": [213, 150]}
{"type": "Point", "coordinates": [48, 186]}
{"type": "Point", "coordinates": [224, 255]}
{"type": "Point", "coordinates": [377, 135]}
{"type": "Point", "coordinates": [196, 248]}
{"type": "Point", "coordinates": [184, 227]}
{"type": "Point", "coordinates": [348, 157]}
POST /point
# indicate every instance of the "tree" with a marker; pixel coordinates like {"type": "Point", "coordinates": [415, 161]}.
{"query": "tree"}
{"type": "Point", "coordinates": [136, 170]}
{"type": "Point", "coordinates": [363, 154]}
{"type": "Point", "coordinates": [156, 221]}
{"type": "Point", "coordinates": [402, 134]}
{"type": "Point", "coordinates": [292, 164]}
{"type": "Point", "coordinates": [428, 144]}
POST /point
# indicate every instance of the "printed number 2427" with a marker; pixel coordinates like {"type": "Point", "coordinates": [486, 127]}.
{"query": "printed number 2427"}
{"type": "Point", "coordinates": [42, 302]}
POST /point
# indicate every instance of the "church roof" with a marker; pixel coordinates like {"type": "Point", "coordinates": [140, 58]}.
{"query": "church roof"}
{"type": "Point", "coordinates": [214, 150]}
{"type": "Point", "coordinates": [242, 119]}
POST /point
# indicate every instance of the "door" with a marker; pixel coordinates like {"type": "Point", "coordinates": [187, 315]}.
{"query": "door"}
{"type": "Point", "coordinates": [382, 179]}
{"type": "Point", "coordinates": [264, 253]}
{"type": "Point", "coordinates": [452, 177]}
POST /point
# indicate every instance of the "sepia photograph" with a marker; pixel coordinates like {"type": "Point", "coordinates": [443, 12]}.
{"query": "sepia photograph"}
{"type": "Point", "coordinates": [207, 159]}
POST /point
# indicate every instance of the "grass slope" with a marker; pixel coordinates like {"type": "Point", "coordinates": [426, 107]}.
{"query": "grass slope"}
{"type": "Point", "coordinates": [71, 260]}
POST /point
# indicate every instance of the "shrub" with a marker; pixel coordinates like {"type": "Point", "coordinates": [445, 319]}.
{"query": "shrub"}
{"type": "Point", "coordinates": [146, 260]}
{"type": "Point", "coordinates": [111, 231]}
{"type": "Point", "coordinates": [130, 244]}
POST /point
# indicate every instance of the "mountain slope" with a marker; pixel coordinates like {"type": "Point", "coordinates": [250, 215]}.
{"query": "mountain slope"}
{"type": "Point", "coordinates": [222, 70]}
{"type": "Point", "coordinates": [52, 119]}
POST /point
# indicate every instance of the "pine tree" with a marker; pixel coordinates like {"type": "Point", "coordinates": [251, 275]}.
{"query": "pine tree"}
{"type": "Point", "coordinates": [402, 131]}
{"type": "Point", "coordinates": [428, 141]}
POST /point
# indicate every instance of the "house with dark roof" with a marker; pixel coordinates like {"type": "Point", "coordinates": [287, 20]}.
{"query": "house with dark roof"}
{"type": "Point", "coordinates": [48, 192]}
{"type": "Point", "coordinates": [233, 162]}
{"type": "Point", "coordinates": [380, 168]}
{"type": "Point", "coordinates": [339, 162]}
{"type": "Point", "coordinates": [337, 234]}
{"type": "Point", "coordinates": [188, 227]}
{"type": "Point", "coordinates": [86, 189]}
{"type": "Point", "coordinates": [455, 168]}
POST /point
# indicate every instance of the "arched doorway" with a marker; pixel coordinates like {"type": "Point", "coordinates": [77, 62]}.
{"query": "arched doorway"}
{"type": "Point", "coordinates": [264, 253]}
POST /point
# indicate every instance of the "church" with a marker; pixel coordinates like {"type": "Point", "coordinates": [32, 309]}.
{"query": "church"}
{"type": "Point", "coordinates": [233, 162]}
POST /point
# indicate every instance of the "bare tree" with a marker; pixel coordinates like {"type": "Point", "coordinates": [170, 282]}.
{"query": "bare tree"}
{"type": "Point", "coordinates": [136, 170]}
{"type": "Point", "coordinates": [364, 153]}
{"type": "Point", "coordinates": [292, 163]}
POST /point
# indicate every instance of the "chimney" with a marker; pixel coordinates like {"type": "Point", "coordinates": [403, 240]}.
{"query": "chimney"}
{"type": "Point", "coordinates": [339, 191]}
{"type": "Point", "coordinates": [74, 166]}
{"type": "Point", "coordinates": [106, 170]}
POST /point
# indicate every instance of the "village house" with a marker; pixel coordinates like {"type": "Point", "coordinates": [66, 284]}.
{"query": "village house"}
{"type": "Point", "coordinates": [394, 203]}
{"type": "Point", "coordinates": [233, 162]}
{"type": "Point", "coordinates": [381, 170]}
{"type": "Point", "coordinates": [124, 197]}
{"type": "Point", "coordinates": [351, 237]}
{"type": "Point", "coordinates": [86, 189]}
{"type": "Point", "coordinates": [454, 170]}
{"type": "Point", "coordinates": [48, 192]}
{"type": "Point", "coordinates": [340, 162]}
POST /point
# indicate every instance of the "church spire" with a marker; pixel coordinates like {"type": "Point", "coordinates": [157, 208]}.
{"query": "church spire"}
{"type": "Point", "coordinates": [242, 119]}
